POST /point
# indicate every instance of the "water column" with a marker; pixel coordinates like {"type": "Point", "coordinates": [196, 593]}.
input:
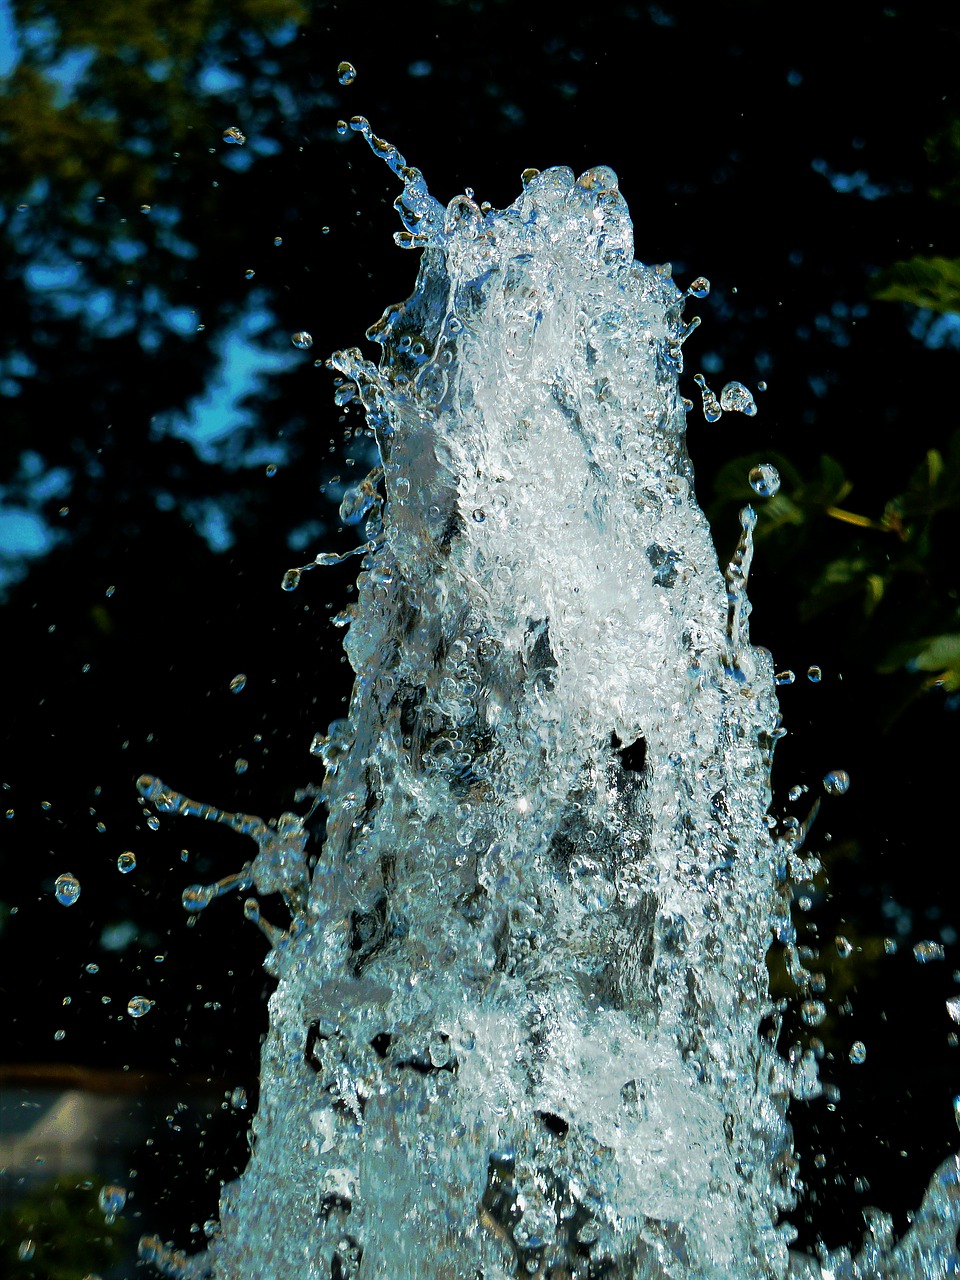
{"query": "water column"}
{"type": "Point", "coordinates": [522, 1024]}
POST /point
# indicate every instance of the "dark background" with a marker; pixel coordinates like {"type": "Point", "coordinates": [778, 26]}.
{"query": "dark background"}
{"type": "Point", "coordinates": [793, 154]}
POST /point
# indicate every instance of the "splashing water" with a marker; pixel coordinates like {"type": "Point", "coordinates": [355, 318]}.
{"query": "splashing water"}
{"type": "Point", "coordinates": [517, 1026]}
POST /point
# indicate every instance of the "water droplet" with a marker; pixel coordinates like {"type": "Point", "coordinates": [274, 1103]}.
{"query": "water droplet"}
{"type": "Point", "coordinates": [479, 515]}
{"type": "Point", "coordinates": [735, 398]}
{"type": "Point", "coordinates": [784, 677]}
{"type": "Point", "coordinates": [238, 683]}
{"type": "Point", "coordinates": [137, 1006]}
{"type": "Point", "coordinates": [59, 1035]}
{"type": "Point", "coordinates": [197, 896]}
{"type": "Point", "coordinates": [67, 889]}
{"type": "Point", "coordinates": [700, 287]}
{"type": "Point", "coordinates": [92, 968]}
{"type": "Point", "coordinates": [858, 1052]}
{"type": "Point", "coordinates": [324, 231]}
{"type": "Point", "coordinates": [153, 822]}
{"type": "Point", "coordinates": [765, 480]}
{"type": "Point", "coordinates": [249, 273]}
{"type": "Point", "coordinates": [836, 782]}
{"type": "Point", "coordinates": [109, 592]}
{"type": "Point", "coordinates": [844, 946]}
{"type": "Point", "coordinates": [346, 73]}
{"type": "Point", "coordinates": [271, 469]}
{"type": "Point", "coordinates": [301, 339]}
{"type": "Point", "coordinates": [238, 1099]}
{"type": "Point", "coordinates": [234, 136]}
{"type": "Point", "coordinates": [814, 675]}
{"type": "Point", "coordinates": [761, 386]}
{"type": "Point", "coordinates": [813, 1012]}
{"type": "Point", "coordinates": [711, 405]}
{"type": "Point", "coordinates": [111, 1200]}
{"type": "Point", "coordinates": [953, 1008]}
{"type": "Point", "coordinates": [290, 580]}
{"type": "Point", "coordinates": [925, 951]}
{"type": "Point", "coordinates": [26, 1250]}
{"type": "Point", "coordinates": [342, 128]}
{"type": "Point", "coordinates": [126, 862]}
{"type": "Point", "coordinates": [240, 765]}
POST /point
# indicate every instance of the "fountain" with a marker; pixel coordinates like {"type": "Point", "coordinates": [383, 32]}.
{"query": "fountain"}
{"type": "Point", "coordinates": [522, 1024]}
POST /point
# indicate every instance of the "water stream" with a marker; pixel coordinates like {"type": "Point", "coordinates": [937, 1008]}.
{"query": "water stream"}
{"type": "Point", "coordinates": [522, 1024]}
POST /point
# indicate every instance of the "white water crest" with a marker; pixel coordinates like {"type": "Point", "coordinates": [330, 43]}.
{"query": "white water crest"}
{"type": "Point", "coordinates": [522, 1024]}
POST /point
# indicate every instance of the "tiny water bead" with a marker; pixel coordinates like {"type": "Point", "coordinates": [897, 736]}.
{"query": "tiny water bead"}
{"type": "Point", "coordinates": [137, 1006]}
{"type": "Point", "coordinates": [711, 405]}
{"type": "Point", "coordinates": [238, 1099]}
{"type": "Point", "coordinates": [67, 889]}
{"type": "Point", "coordinates": [238, 683]}
{"type": "Point", "coordinates": [346, 73]}
{"type": "Point", "coordinates": [249, 273]}
{"type": "Point", "coordinates": [271, 470]}
{"type": "Point", "coordinates": [290, 580]}
{"type": "Point", "coordinates": [784, 677]}
{"type": "Point", "coordinates": [126, 863]}
{"type": "Point", "coordinates": [234, 136]}
{"type": "Point", "coordinates": [926, 951]}
{"type": "Point", "coordinates": [301, 339]}
{"type": "Point", "coordinates": [342, 128]}
{"type": "Point", "coordinates": [858, 1052]}
{"type": "Point", "coordinates": [278, 241]}
{"type": "Point", "coordinates": [111, 1200]}
{"type": "Point", "coordinates": [953, 1008]}
{"type": "Point", "coordinates": [26, 1249]}
{"type": "Point", "coordinates": [765, 480]}
{"type": "Point", "coordinates": [240, 765]}
{"type": "Point", "coordinates": [699, 288]}
{"type": "Point", "coordinates": [814, 675]}
{"type": "Point", "coordinates": [836, 782]}
{"type": "Point", "coordinates": [736, 398]}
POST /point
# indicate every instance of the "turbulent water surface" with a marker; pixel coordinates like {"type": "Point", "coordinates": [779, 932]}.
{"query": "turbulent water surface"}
{"type": "Point", "coordinates": [522, 1025]}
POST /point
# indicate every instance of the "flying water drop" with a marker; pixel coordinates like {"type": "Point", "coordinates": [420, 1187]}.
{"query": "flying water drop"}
{"type": "Point", "coordinates": [712, 410]}
{"type": "Point", "coordinates": [836, 782]}
{"type": "Point", "coordinates": [736, 398]}
{"type": "Point", "coordinates": [111, 1200]}
{"type": "Point", "coordinates": [290, 580]}
{"type": "Point", "coordinates": [126, 863]}
{"type": "Point", "coordinates": [302, 340]}
{"type": "Point", "coordinates": [137, 1006]}
{"type": "Point", "coordinates": [234, 136]}
{"type": "Point", "coordinates": [765, 480]}
{"type": "Point", "coordinates": [67, 889]}
{"type": "Point", "coordinates": [346, 73]}
{"type": "Point", "coordinates": [238, 683]}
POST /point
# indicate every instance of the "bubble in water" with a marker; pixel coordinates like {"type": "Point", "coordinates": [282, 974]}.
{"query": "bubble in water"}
{"type": "Point", "coordinates": [711, 405]}
{"type": "Point", "coordinates": [290, 580]}
{"type": "Point", "coordinates": [765, 480]}
{"type": "Point", "coordinates": [137, 1006]}
{"type": "Point", "coordinates": [67, 889]}
{"type": "Point", "coordinates": [126, 862]}
{"type": "Point", "coordinates": [479, 515]}
{"type": "Point", "coordinates": [814, 675]}
{"type": "Point", "coordinates": [238, 683]}
{"type": "Point", "coordinates": [301, 339]}
{"type": "Point", "coordinates": [858, 1052]}
{"type": "Point", "coordinates": [234, 136]}
{"type": "Point", "coordinates": [836, 782]}
{"type": "Point", "coordinates": [111, 1200]}
{"type": "Point", "coordinates": [925, 951]}
{"type": "Point", "coordinates": [735, 398]}
{"type": "Point", "coordinates": [346, 73]}
{"type": "Point", "coordinates": [844, 946]}
{"type": "Point", "coordinates": [700, 287]}
{"type": "Point", "coordinates": [26, 1250]}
